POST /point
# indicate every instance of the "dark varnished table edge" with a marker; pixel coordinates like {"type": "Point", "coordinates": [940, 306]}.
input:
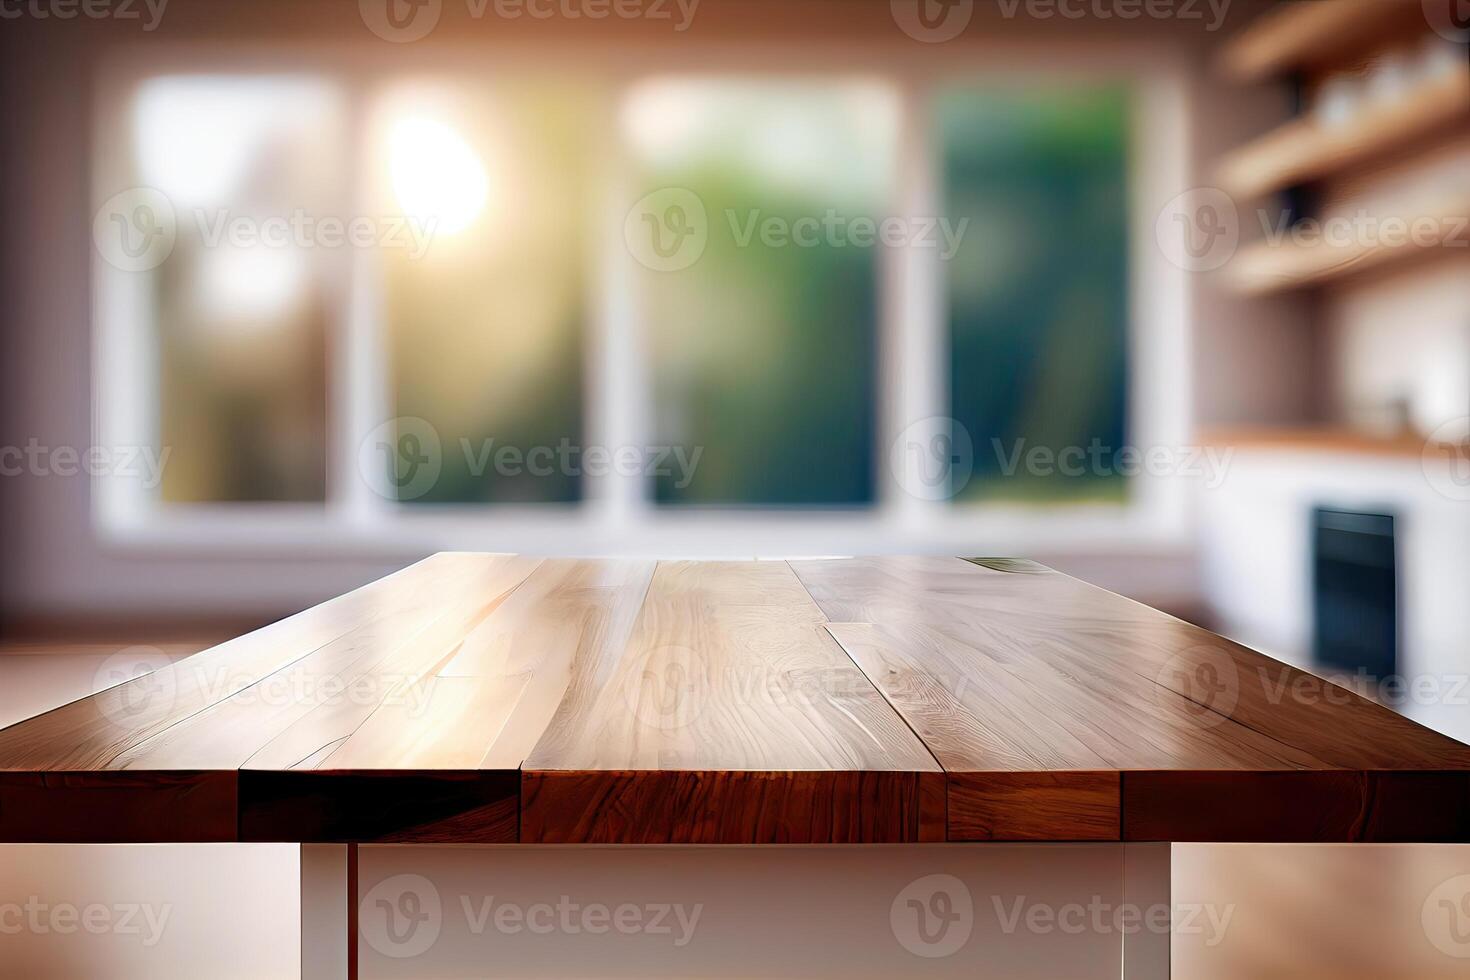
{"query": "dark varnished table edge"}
{"type": "Point", "coordinates": [117, 806]}
{"type": "Point", "coordinates": [734, 806]}
{"type": "Point", "coordinates": [737, 807]}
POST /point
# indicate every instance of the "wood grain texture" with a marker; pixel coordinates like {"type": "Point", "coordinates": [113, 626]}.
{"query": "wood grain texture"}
{"type": "Point", "coordinates": [282, 698]}
{"type": "Point", "coordinates": [136, 724]}
{"type": "Point", "coordinates": [730, 807]}
{"type": "Point", "coordinates": [1324, 805]}
{"type": "Point", "coordinates": [495, 698]}
{"type": "Point", "coordinates": [1018, 806]}
{"type": "Point", "coordinates": [1018, 677]}
{"type": "Point", "coordinates": [729, 716]}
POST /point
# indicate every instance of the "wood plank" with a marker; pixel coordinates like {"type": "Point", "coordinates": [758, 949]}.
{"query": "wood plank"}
{"type": "Point", "coordinates": [380, 806]}
{"type": "Point", "coordinates": [112, 807]}
{"type": "Point", "coordinates": [1307, 149]}
{"type": "Point", "coordinates": [472, 697]}
{"type": "Point", "coordinates": [729, 685]}
{"type": "Point", "coordinates": [90, 734]}
{"type": "Point", "coordinates": [283, 718]}
{"type": "Point", "coordinates": [731, 807]}
{"type": "Point", "coordinates": [1325, 805]}
{"type": "Point", "coordinates": [209, 714]}
{"type": "Point", "coordinates": [1019, 806]}
{"type": "Point", "coordinates": [1267, 267]}
{"type": "Point", "coordinates": [1298, 35]}
{"type": "Point", "coordinates": [1020, 679]}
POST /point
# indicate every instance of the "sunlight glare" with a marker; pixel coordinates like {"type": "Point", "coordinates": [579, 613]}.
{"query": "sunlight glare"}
{"type": "Point", "coordinates": [436, 175]}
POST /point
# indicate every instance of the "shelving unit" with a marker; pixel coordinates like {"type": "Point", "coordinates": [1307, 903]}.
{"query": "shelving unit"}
{"type": "Point", "coordinates": [1403, 100]}
{"type": "Point", "coordinates": [1323, 439]}
{"type": "Point", "coordinates": [1266, 267]}
{"type": "Point", "coordinates": [1388, 148]}
{"type": "Point", "coordinates": [1309, 33]}
{"type": "Point", "coordinates": [1307, 149]}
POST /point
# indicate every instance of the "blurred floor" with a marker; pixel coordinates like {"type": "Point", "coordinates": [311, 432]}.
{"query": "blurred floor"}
{"type": "Point", "coordinates": [1340, 912]}
{"type": "Point", "coordinates": [1334, 912]}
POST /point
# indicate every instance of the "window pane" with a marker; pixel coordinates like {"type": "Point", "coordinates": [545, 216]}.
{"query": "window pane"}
{"type": "Point", "coordinates": [241, 302]}
{"type": "Point", "coordinates": [1038, 290]}
{"type": "Point", "coordinates": [485, 323]}
{"type": "Point", "coordinates": [762, 344]}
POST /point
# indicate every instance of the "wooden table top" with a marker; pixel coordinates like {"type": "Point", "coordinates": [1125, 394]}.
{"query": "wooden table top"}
{"type": "Point", "coordinates": [496, 698]}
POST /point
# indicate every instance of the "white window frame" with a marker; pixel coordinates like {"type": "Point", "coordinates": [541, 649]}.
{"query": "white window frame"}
{"type": "Point", "coordinates": [617, 515]}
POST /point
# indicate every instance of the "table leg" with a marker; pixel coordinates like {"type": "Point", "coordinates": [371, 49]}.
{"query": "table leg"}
{"type": "Point", "coordinates": [328, 911]}
{"type": "Point", "coordinates": [1147, 888]}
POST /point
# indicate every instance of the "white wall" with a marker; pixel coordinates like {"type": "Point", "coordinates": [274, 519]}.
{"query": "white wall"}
{"type": "Point", "coordinates": [1256, 545]}
{"type": "Point", "coordinates": [1405, 337]}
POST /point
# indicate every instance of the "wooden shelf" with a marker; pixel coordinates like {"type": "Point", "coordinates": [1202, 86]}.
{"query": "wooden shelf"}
{"type": "Point", "coordinates": [1264, 268]}
{"type": "Point", "coordinates": [1311, 33]}
{"type": "Point", "coordinates": [1305, 149]}
{"type": "Point", "coordinates": [1323, 439]}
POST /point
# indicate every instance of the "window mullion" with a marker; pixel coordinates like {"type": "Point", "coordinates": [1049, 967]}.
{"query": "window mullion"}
{"type": "Point", "coordinates": [617, 378]}
{"type": "Point", "coordinates": [913, 373]}
{"type": "Point", "coordinates": [359, 385]}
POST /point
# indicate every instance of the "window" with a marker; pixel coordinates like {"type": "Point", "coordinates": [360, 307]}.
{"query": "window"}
{"type": "Point", "coordinates": [241, 321]}
{"type": "Point", "coordinates": [1038, 290]}
{"type": "Point", "coordinates": [763, 346]}
{"type": "Point", "coordinates": [486, 313]}
{"type": "Point", "coordinates": [691, 264]}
